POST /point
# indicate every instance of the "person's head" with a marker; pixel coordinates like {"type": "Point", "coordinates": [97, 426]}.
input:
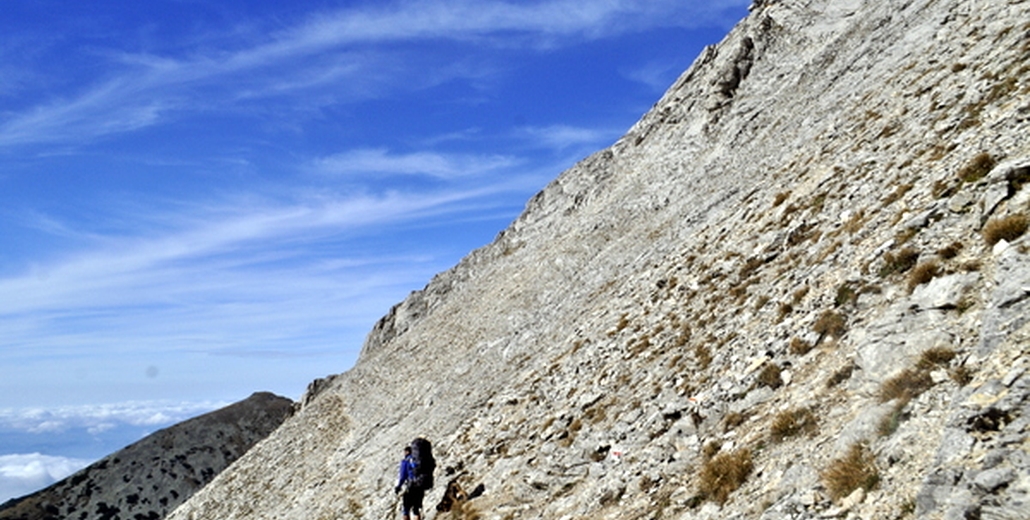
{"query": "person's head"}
{"type": "Point", "coordinates": [407, 451]}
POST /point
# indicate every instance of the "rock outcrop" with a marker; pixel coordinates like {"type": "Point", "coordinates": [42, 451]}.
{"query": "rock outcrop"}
{"type": "Point", "coordinates": [798, 288]}
{"type": "Point", "coordinates": [148, 479]}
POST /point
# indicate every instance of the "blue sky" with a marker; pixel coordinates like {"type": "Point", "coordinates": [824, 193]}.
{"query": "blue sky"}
{"type": "Point", "coordinates": [199, 200]}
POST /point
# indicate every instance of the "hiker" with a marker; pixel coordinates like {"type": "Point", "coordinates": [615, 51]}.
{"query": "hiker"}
{"type": "Point", "coordinates": [416, 476]}
{"type": "Point", "coordinates": [411, 506]}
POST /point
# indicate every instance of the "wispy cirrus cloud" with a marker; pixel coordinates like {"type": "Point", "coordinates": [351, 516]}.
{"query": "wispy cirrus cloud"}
{"type": "Point", "coordinates": [290, 275]}
{"type": "Point", "coordinates": [562, 137]}
{"type": "Point", "coordinates": [205, 236]}
{"type": "Point", "coordinates": [135, 91]}
{"type": "Point", "coordinates": [381, 161]}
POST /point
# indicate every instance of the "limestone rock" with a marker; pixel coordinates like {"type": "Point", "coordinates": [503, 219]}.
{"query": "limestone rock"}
{"type": "Point", "coordinates": [746, 252]}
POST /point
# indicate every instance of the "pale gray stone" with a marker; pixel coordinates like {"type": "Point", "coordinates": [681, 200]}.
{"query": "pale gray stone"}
{"type": "Point", "coordinates": [578, 313]}
{"type": "Point", "coordinates": [990, 480]}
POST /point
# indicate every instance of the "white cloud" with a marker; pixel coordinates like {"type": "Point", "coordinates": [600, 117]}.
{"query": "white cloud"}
{"type": "Point", "coordinates": [458, 19]}
{"type": "Point", "coordinates": [101, 417]}
{"type": "Point", "coordinates": [561, 137]}
{"type": "Point", "coordinates": [232, 277]}
{"type": "Point", "coordinates": [153, 265]}
{"type": "Point", "coordinates": [331, 49]}
{"type": "Point", "coordinates": [21, 474]}
{"type": "Point", "coordinates": [432, 164]}
{"type": "Point", "coordinates": [655, 75]}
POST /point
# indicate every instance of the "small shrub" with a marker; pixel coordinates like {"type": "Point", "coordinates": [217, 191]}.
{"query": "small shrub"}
{"type": "Point", "coordinates": [464, 510]}
{"type": "Point", "coordinates": [964, 304]}
{"type": "Point", "coordinates": [732, 420]}
{"type": "Point", "coordinates": [750, 266]}
{"type": "Point", "coordinates": [903, 236]}
{"type": "Point", "coordinates": [793, 422]}
{"type": "Point", "coordinates": [936, 357]}
{"type": "Point", "coordinates": [710, 449]}
{"type": "Point", "coordinates": [961, 375]}
{"type": "Point", "coordinates": [856, 469]}
{"type": "Point", "coordinates": [830, 323]}
{"type": "Point", "coordinates": [762, 301]}
{"type": "Point", "coordinates": [818, 202]}
{"type": "Point", "coordinates": [977, 168]}
{"type": "Point", "coordinates": [896, 195]}
{"type": "Point", "coordinates": [972, 266]}
{"type": "Point", "coordinates": [723, 474]}
{"type": "Point", "coordinates": [855, 223]}
{"type": "Point", "coordinates": [684, 336]}
{"type": "Point", "coordinates": [1006, 228]}
{"type": "Point", "coordinates": [784, 310]}
{"type": "Point", "coordinates": [799, 347]}
{"type": "Point", "coordinates": [846, 294]}
{"type": "Point", "coordinates": [703, 356]}
{"type": "Point", "coordinates": [906, 385]}
{"type": "Point", "coordinates": [799, 295]}
{"type": "Point", "coordinates": [781, 197]}
{"type": "Point", "coordinates": [898, 262]}
{"type": "Point", "coordinates": [923, 273]}
{"type": "Point", "coordinates": [950, 251]}
{"type": "Point", "coordinates": [890, 422]}
{"type": "Point", "coordinates": [641, 345]}
{"type": "Point", "coordinates": [942, 189]}
{"type": "Point", "coordinates": [841, 375]}
{"type": "Point", "coordinates": [770, 376]}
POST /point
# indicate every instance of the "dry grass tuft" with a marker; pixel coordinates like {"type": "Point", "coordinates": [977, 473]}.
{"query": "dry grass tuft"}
{"type": "Point", "coordinates": [723, 474]}
{"type": "Point", "coordinates": [703, 356]}
{"type": "Point", "coordinates": [890, 422]}
{"type": "Point", "coordinates": [784, 310]}
{"type": "Point", "coordinates": [977, 168]}
{"type": "Point", "coordinates": [846, 294]}
{"type": "Point", "coordinates": [856, 469]}
{"type": "Point", "coordinates": [1006, 228]}
{"type": "Point", "coordinates": [936, 357]}
{"type": "Point", "coordinates": [465, 511]}
{"type": "Point", "coordinates": [923, 273]}
{"type": "Point", "coordinates": [710, 449]}
{"type": "Point", "coordinates": [841, 375]}
{"type": "Point", "coordinates": [799, 295]}
{"type": "Point", "coordinates": [799, 347]}
{"type": "Point", "coordinates": [793, 422]}
{"type": "Point", "coordinates": [898, 262]}
{"type": "Point", "coordinates": [906, 385]}
{"type": "Point", "coordinates": [770, 376]}
{"type": "Point", "coordinates": [732, 420]}
{"type": "Point", "coordinates": [896, 195]}
{"type": "Point", "coordinates": [950, 251]}
{"type": "Point", "coordinates": [830, 323]}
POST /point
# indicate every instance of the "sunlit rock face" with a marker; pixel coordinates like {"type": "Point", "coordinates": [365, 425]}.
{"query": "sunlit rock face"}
{"type": "Point", "coordinates": [797, 288]}
{"type": "Point", "coordinates": [148, 479]}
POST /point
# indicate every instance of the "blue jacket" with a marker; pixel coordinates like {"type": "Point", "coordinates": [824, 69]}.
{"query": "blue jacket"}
{"type": "Point", "coordinates": [407, 471]}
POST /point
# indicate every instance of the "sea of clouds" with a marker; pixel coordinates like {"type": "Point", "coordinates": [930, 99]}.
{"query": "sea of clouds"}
{"type": "Point", "coordinates": [40, 446]}
{"type": "Point", "coordinates": [24, 474]}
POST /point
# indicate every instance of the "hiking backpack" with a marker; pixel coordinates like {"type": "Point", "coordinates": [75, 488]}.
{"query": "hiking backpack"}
{"type": "Point", "coordinates": [425, 464]}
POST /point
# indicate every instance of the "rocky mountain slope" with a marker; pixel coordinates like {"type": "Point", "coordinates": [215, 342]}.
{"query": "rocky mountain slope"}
{"type": "Point", "coordinates": [151, 477]}
{"type": "Point", "coordinates": [797, 288]}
